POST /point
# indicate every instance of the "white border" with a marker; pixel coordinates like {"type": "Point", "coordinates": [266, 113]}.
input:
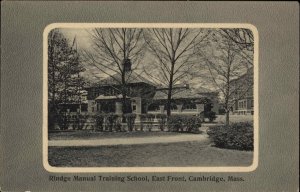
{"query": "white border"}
{"type": "Point", "coordinates": [147, 169]}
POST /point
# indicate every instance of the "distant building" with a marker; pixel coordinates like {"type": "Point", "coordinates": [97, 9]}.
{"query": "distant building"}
{"type": "Point", "coordinates": [243, 95]}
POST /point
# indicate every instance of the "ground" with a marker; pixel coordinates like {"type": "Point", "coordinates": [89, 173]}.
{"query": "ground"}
{"type": "Point", "coordinates": [183, 152]}
{"type": "Point", "coordinates": [160, 154]}
{"type": "Point", "coordinates": [234, 118]}
{"type": "Point", "coordinates": [84, 134]}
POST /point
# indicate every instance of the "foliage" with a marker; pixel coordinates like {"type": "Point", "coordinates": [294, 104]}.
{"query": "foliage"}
{"type": "Point", "coordinates": [62, 120]}
{"type": "Point", "coordinates": [229, 70]}
{"type": "Point", "coordinates": [143, 120]}
{"type": "Point", "coordinates": [184, 123]}
{"type": "Point", "coordinates": [234, 136]}
{"type": "Point", "coordinates": [130, 118]}
{"type": "Point", "coordinates": [210, 115]}
{"type": "Point", "coordinates": [64, 81]}
{"type": "Point", "coordinates": [111, 121]}
{"type": "Point", "coordinates": [100, 121]}
{"type": "Point", "coordinates": [52, 120]}
{"type": "Point", "coordinates": [162, 119]}
{"type": "Point", "coordinates": [76, 121]}
{"type": "Point", "coordinates": [150, 119]}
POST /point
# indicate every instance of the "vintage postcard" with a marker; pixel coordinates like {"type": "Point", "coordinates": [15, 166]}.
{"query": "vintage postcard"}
{"type": "Point", "coordinates": [149, 96]}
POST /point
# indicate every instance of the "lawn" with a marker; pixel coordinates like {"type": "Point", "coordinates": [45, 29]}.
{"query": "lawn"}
{"type": "Point", "coordinates": [234, 118]}
{"type": "Point", "coordinates": [89, 134]}
{"type": "Point", "coordinates": [172, 154]}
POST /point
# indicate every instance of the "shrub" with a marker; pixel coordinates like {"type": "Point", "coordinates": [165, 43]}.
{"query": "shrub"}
{"type": "Point", "coordinates": [235, 136]}
{"type": "Point", "coordinates": [184, 123]}
{"type": "Point", "coordinates": [210, 115]}
{"type": "Point", "coordinates": [162, 119]}
{"type": "Point", "coordinates": [81, 121]}
{"type": "Point", "coordinates": [111, 121]}
{"type": "Point", "coordinates": [52, 121]}
{"type": "Point", "coordinates": [99, 121]}
{"type": "Point", "coordinates": [174, 123]}
{"type": "Point", "coordinates": [192, 124]}
{"type": "Point", "coordinates": [150, 120]}
{"type": "Point", "coordinates": [62, 121]}
{"type": "Point", "coordinates": [130, 118]}
{"type": "Point", "coordinates": [143, 120]}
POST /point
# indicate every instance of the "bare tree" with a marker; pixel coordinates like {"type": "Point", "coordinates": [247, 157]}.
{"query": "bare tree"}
{"type": "Point", "coordinates": [174, 51]}
{"type": "Point", "coordinates": [227, 70]}
{"type": "Point", "coordinates": [244, 41]}
{"type": "Point", "coordinates": [111, 50]}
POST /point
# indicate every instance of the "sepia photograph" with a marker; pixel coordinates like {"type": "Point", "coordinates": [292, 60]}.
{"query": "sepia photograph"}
{"type": "Point", "coordinates": [150, 97]}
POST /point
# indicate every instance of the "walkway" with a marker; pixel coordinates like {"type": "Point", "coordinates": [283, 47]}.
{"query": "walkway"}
{"type": "Point", "coordinates": [129, 141]}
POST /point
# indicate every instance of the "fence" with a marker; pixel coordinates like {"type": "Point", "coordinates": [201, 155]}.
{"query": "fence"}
{"type": "Point", "coordinates": [129, 122]}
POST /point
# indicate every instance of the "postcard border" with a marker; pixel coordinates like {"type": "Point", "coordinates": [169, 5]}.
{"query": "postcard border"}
{"type": "Point", "coordinates": [50, 168]}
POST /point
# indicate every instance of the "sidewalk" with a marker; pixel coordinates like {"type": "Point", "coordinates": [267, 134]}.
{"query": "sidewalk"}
{"type": "Point", "coordinates": [129, 141]}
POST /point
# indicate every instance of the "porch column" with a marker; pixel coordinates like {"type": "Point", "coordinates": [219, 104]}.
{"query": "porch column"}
{"type": "Point", "coordinates": [215, 106]}
{"type": "Point", "coordinates": [179, 108]}
{"type": "Point", "coordinates": [98, 107]}
{"type": "Point", "coordinates": [91, 106]}
{"type": "Point", "coordinates": [138, 106]}
{"type": "Point", "coordinates": [161, 109]}
{"type": "Point", "coordinates": [119, 106]}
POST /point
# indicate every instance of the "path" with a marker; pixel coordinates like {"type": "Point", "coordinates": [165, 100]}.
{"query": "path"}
{"type": "Point", "coordinates": [129, 141]}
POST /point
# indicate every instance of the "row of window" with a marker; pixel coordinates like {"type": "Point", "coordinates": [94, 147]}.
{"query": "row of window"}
{"type": "Point", "coordinates": [243, 104]}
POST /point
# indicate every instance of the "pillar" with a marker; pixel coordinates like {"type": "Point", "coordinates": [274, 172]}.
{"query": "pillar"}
{"type": "Point", "coordinates": [161, 109]}
{"type": "Point", "coordinates": [98, 107]}
{"type": "Point", "coordinates": [138, 106]}
{"type": "Point", "coordinates": [119, 107]}
{"type": "Point", "coordinates": [179, 108]}
{"type": "Point", "coordinates": [91, 106]}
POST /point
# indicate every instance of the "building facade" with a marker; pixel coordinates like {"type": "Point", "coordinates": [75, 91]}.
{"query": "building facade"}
{"type": "Point", "coordinates": [139, 95]}
{"type": "Point", "coordinates": [243, 94]}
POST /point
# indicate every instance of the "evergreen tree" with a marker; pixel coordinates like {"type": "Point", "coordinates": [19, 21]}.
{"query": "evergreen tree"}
{"type": "Point", "coordinates": [64, 80]}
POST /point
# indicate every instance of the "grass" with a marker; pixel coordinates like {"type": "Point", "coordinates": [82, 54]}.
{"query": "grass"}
{"type": "Point", "coordinates": [234, 118]}
{"type": "Point", "coordinates": [88, 134]}
{"type": "Point", "coordinates": [166, 155]}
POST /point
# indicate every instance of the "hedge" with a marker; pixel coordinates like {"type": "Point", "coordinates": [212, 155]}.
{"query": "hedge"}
{"type": "Point", "coordinates": [184, 123]}
{"type": "Point", "coordinates": [162, 119]}
{"type": "Point", "coordinates": [130, 118]}
{"type": "Point", "coordinates": [234, 136]}
{"type": "Point", "coordinates": [210, 115]}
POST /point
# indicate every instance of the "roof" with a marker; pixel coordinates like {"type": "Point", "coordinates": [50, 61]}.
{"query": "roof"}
{"type": "Point", "coordinates": [104, 97]}
{"type": "Point", "coordinates": [177, 94]}
{"type": "Point", "coordinates": [202, 90]}
{"type": "Point", "coordinates": [184, 93]}
{"type": "Point", "coordinates": [130, 77]}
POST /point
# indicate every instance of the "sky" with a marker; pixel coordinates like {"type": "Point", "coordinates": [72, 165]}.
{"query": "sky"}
{"type": "Point", "coordinates": [93, 74]}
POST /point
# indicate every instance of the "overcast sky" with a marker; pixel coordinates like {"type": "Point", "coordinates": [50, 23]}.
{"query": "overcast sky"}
{"type": "Point", "coordinates": [93, 74]}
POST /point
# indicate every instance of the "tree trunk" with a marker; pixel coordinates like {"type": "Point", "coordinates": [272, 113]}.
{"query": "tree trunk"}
{"type": "Point", "coordinates": [169, 102]}
{"type": "Point", "coordinates": [227, 118]}
{"type": "Point", "coordinates": [170, 90]}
